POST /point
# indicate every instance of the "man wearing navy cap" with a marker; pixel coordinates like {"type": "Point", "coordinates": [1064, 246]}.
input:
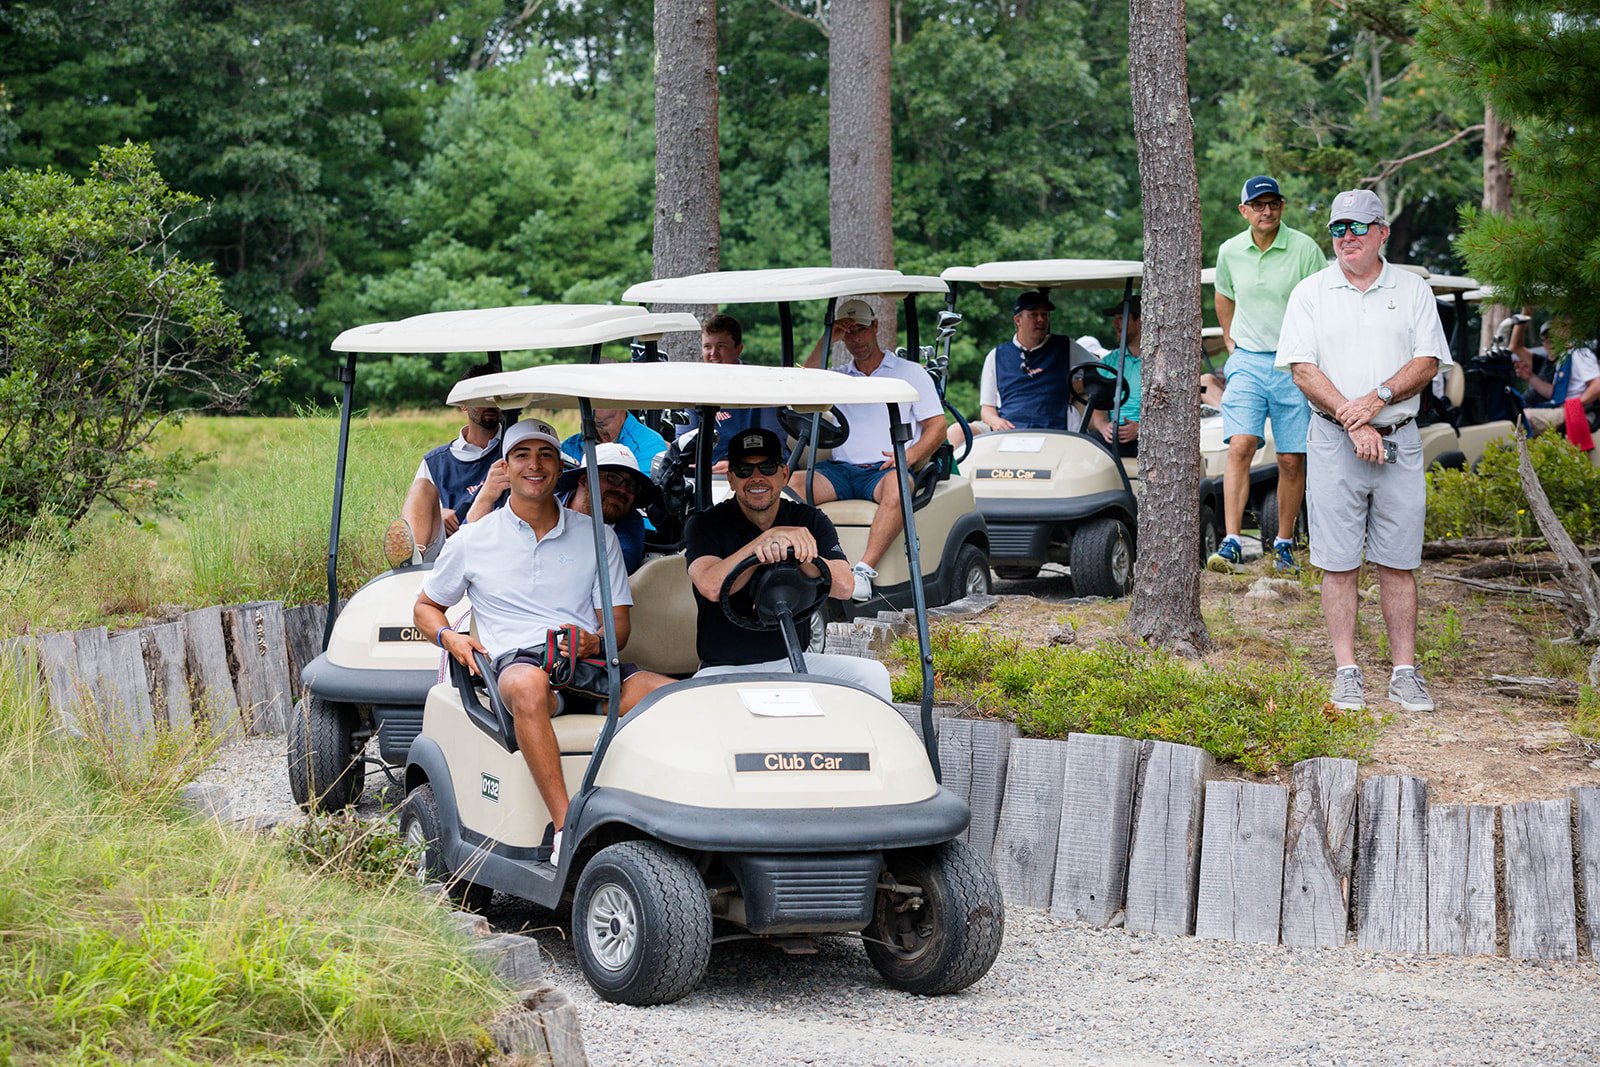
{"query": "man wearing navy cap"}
{"type": "Point", "coordinates": [1256, 271]}
{"type": "Point", "coordinates": [1023, 385]}
{"type": "Point", "coordinates": [757, 521]}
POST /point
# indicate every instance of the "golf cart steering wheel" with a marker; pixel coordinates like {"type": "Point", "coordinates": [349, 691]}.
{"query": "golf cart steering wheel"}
{"type": "Point", "coordinates": [832, 429]}
{"type": "Point", "coordinates": [779, 585]}
{"type": "Point", "coordinates": [1091, 385]}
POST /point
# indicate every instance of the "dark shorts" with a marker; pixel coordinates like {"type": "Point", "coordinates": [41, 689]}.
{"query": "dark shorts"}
{"type": "Point", "coordinates": [588, 676]}
{"type": "Point", "coordinates": [852, 481]}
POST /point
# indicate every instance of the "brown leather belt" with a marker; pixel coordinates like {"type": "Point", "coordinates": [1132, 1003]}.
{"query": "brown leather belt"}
{"type": "Point", "coordinates": [1383, 431]}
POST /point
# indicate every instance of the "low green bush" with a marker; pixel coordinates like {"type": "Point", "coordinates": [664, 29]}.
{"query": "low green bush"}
{"type": "Point", "coordinates": [1262, 717]}
{"type": "Point", "coordinates": [1489, 502]}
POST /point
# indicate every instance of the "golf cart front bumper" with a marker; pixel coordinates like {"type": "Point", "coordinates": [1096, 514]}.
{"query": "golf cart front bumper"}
{"type": "Point", "coordinates": [1020, 530]}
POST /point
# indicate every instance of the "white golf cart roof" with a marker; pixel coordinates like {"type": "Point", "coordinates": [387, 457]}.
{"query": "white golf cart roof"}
{"type": "Point", "coordinates": [1049, 273]}
{"type": "Point", "coordinates": [511, 329]}
{"type": "Point", "coordinates": [781, 285]}
{"type": "Point", "coordinates": [676, 385]}
{"type": "Point", "coordinates": [1450, 284]}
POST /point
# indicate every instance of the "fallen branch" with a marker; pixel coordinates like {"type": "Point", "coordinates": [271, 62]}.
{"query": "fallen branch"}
{"type": "Point", "coordinates": [1481, 546]}
{"type": "Point", "coordinates": [1554, 595]}
{"type": "Point", "coordinates": [1526, 686]}
{"type": "Point", "coordinates": [1537, 569]}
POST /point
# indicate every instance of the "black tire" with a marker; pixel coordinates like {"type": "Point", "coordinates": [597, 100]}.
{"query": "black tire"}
{"type": "Point", "coordinates": [325, 769]}
{"type": "Point", "coordinates": [420, 827]}
{"type": "Point", "coordinates": [972, 572]}
{"type": "Point", "coordinates": [641, 923]}
{"type": "Point", "coordinates": [1210, 533]}
{"type": "Point", "coordinates": [1014, 573]}
{"type": "Point", "coordinates": [1102, 559]}
{"type": "Point", "coordinates": [1269, 522]}
{"type": "Point", "coordinates": [952, 939]}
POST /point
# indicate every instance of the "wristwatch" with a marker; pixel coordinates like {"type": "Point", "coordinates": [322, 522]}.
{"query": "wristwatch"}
{"type": "Point", "coordinates": [1385, 394]}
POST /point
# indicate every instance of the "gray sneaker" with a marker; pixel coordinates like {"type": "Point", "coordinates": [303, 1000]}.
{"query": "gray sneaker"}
{"type": "Point", "coordinates": [1349, 692]}
{"type": "Point", "coordinates": [1407, 690]}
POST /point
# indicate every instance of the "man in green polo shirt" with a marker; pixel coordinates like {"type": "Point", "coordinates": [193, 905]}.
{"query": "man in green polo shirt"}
{"type": "Point", "coordinates": [1256, 271]}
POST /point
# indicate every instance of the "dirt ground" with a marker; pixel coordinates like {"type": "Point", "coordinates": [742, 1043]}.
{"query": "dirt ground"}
{"type": "Point", "coordinates": [1480, 746]}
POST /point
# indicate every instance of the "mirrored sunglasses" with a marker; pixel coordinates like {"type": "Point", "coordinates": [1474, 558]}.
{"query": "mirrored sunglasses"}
{"type": "Point", "coordinates": [1337, 229]}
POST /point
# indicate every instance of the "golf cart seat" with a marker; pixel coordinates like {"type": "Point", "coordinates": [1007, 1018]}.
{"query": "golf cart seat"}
{"type": "Point", "coordinates": [576, 728]}
{"type": "Point", "coordinates": [924, 480]}
{"type": "Point", "coordinates": [662, 632]}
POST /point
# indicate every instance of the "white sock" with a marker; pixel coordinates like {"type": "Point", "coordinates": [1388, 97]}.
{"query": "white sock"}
{"type": "Point", "coordinates": [1235, 539]}
{"type": "Point", "coordinates": [1347, 667]}
{"type": "Point", "coordinates": [1276, 541]}
{"type": "Point", "coordinates": [1398, 667]}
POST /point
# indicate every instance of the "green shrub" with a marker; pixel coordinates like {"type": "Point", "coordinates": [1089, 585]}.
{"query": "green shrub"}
{"type": "Point", "coordinates": [1586, 716]}
{"type": "Point", "coordinates": [1489, 502]}
{"type": "Point", "coordinates": [1261, 717]}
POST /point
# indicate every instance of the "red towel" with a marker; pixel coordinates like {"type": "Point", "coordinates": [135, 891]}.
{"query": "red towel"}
{"type": "Point", "coordinates": [1578, 425]}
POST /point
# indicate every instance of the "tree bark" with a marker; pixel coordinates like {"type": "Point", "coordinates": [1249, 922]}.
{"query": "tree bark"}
{"type": "Point", "coordinates": [1166, 590]}
{"type": "Point", "coordinates": [1497, 139]}
{"type": "Point", "coordinates": [688, 227]}
{"type": "Point", "coordinates": [860, 143]}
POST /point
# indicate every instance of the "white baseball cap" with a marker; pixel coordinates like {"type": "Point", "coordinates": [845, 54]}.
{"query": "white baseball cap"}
{"type": "Point", "coordinates": [523, 429]}
{"type": "Point", "coordinates": [856, 310]}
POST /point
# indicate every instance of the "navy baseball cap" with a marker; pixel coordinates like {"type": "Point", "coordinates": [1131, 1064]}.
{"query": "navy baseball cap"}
{"type": "Point", "coordinates": [1260, 185]}
{"type": "Point", "coordinates": [1032, 301]}
{"type": "Point", "coordinates": [755, 442]}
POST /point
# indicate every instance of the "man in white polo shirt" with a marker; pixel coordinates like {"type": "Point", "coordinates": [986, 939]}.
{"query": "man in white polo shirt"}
{"type": "Point", "coordinates": [1363, 339]}
{"type": "Point", "coordinates": [860, 468]}
{"type": "Point", "coordinates": [530, 571]}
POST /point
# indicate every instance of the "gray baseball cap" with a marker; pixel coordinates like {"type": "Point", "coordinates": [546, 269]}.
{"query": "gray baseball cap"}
{"type": "Point", "coordinates": [1357, 205]}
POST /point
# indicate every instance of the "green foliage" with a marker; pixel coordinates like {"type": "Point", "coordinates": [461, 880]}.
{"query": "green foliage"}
{"type": "Point", "coordinates": [369, 854]}
{"type": "Point", "coordinates": [1537, 63]}
{"type": "Point", "coordinates": [108, 334]}
{"type": "Point", "coordinates": [1586, 716]}
{"type": "Point", "coordinates": [138, 935]}
{"type": "Point", "coordinates": [1263, 718]}
{"type": "Point", "coordinates": [1489, 502]}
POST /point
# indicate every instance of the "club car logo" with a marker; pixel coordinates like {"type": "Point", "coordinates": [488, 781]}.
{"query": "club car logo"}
{"type": "Point", "coordinates": [399, 633]}
{"type": "Point", "coordinates": [490, 787]}
{"type": "Point", "coordinates": [1014, 474]}
{"type": "Point", "coordinates": [802, 761]}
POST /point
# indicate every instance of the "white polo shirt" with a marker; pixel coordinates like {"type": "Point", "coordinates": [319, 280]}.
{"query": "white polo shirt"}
{"type": "Point", "coordinates": [1359, 340]}
{"type": "Point", "coordinates": [462, 449]}
{"type": "Point", "coordinates": [869, 423]}
{"type": "Point", "coordinates": [523, 586]}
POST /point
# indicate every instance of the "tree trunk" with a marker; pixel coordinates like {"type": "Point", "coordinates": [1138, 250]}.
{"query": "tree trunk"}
{"type": "Point", "coordinates": [1166, 591]}
{"type": "Point", "coordinates": [688, 231]}
{"type": "Point", "coordinates": [860, 143]}
{"type": "Point", "coordinates": [1497, 138]}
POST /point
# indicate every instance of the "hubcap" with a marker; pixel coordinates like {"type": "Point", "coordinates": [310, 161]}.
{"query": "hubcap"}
{"type": "Point", "coordinates": [977, 581]}
{"type": "Point", "coordinates": [613, 925]}
{"type": "Point", "coordinates": [1121, 564]}
{"type": "Point", "coordinates": [419, 845]}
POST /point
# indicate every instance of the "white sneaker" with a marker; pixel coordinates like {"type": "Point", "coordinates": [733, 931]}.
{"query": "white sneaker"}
{"type": "Point", "coordinates": [864, 575]}
{"type": "Point", "coordinates": [555, 850]}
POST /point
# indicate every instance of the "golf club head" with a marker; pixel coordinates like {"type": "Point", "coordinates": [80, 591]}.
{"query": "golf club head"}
{"type": "Point", "coordinates": [947, 320]}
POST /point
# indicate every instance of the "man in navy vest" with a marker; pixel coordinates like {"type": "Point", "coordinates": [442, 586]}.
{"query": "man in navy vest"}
{"type": "Point", "coordinates": [446, 483]}
{"type": "Point", "coordinates": [1024, 380]}
{"type": "Point", "coordinates": [1576, 377]}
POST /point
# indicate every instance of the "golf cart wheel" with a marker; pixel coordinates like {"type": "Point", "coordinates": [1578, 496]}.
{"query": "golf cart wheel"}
{"type": "Point", "coordinates": [1269, 522]}
{"type": "Point", "coordinates": [420, 829]}
{"type": "Point", "coordinates": [951, 938]}
{"type": "Point", "coordinates": [325, 770]}
{"type": "Point", "coordinates": [641, 923]}
{"type": "Point", "coordinates": [1210, 533]}
{"type": "Point", "coordinates": [972, 572]}
{"type": "Point", "coordinates": [1015, 573]}
{"type": "Point", "coordinates": [1102, 559]}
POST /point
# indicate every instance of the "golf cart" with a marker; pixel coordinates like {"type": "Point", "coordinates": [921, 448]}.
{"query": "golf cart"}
{"type": "Point", "coordinates": [375, 669]}
{"type": "Point", "coordinates": [1477, 399]}
{"type": "Point", "coordinates": [785, 805]}
{"type": "Point", "coordinates": [957, 561]}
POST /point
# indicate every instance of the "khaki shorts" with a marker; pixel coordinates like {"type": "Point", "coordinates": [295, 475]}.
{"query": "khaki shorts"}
{"type": "Point", "coordinates": [1359, 509]}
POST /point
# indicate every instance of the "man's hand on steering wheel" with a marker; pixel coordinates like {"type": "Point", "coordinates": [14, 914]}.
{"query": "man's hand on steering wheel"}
{"type": "Point", "coordinates": [776, 544]}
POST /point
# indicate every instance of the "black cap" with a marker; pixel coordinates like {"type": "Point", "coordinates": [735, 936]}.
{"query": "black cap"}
{"type": "Point", "coordinates": [1116, 309]}
{"type": "Point", "coordinates": [1032, 301]}
{"type": "Point", "coordinates": [755, 442]}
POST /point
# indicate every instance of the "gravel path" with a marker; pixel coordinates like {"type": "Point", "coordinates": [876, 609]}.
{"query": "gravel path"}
{"type": "Point", "coordinates": [1059, 994]}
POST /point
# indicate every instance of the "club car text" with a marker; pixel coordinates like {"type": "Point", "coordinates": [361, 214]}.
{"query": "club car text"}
{"type": "Point", "coordinates": [387, 634]}
{"type": "Point", "coordinates": [802, 761]}
{"type": "Point", "coordinates": [1017, 474]}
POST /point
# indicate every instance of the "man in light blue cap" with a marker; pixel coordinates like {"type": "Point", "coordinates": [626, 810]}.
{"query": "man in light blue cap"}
{"type": "Point", "coordinates": [1256, 271]}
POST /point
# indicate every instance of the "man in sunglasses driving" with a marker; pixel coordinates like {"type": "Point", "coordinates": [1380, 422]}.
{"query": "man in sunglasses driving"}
{"type": "Point", "coordinates": [1363, 339]}
{"type": "Point", "coordinates": [757, 521]}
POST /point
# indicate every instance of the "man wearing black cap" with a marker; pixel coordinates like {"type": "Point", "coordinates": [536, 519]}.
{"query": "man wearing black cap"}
{"type": "Point", "coordinates": [1126, 426]}
{"type": "Point", "coordinates": [757, 521]}
{"type": "Point", "coordinates": [1024, 381]}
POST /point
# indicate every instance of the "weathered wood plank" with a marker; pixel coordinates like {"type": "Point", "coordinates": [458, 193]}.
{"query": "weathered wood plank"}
{"type": "Point", "coordinates": [1461, 879]}
{"type": "Point", "coordinates": [1541, 915]}
{"type": "Point", "coordinates": [166, 669]}
{"type": "Point", "coordinates": [1241, 862]}
{"type": "Point", "coordinates": [302, 635]}
{"type": "Point", "coordinates": [128, 710]}
{"type": "Point", "coordinates": [1164, 861]}
{"type": "Point", "coordinates": [71, 661]}
{"type": "Point", "coordinates": [19, 659]}
{"type": "Point", "coordinates": [1392, 865]}
{"type": "Point", "coordinates": [1318, 845]}
{"type": "Point", "coordinates": [912, 714]}
{"type": "Point", "coordinates": [1587, 800]}
{"type": "Point", "coordinates": [211, 694]}
{"type": "Point", "coordinates": [1030, 819]}
{"type": "Point", "coordinates": [260, 664]}
{"type": "Point", "coordinates": [988, 752]}
{"type": "Point", "coordinates": [1096, 828]}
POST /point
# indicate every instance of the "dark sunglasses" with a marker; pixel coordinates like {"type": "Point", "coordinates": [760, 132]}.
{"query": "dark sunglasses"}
{"type": "Point", "coordinates": [1337, 229]}
{"type": "Point", "coordinates": [768, 467]}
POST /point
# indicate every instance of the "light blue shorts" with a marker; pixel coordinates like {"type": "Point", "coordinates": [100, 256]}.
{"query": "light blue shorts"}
{"type": "Point", "coordinates": [1257, 391]}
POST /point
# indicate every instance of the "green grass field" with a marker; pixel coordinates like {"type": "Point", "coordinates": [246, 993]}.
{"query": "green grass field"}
{"type": "Point", "coordinates": [249, 523]}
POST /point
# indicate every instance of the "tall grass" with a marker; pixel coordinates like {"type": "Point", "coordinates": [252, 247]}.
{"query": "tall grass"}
{"type": "Point", "coordinates": [132, 934]}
